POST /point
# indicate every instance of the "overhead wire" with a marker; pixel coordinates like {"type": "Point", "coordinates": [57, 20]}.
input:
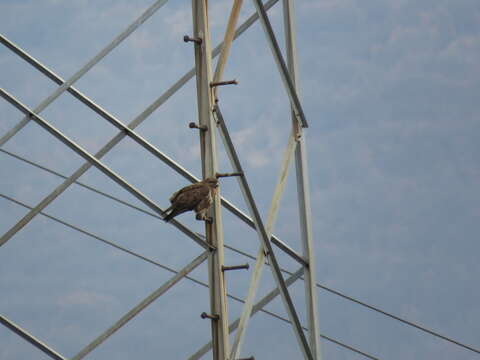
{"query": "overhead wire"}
{"type": "Point", "coordinates": [167, 268]}
{"type": "Point", "coordinates": [323, 287]}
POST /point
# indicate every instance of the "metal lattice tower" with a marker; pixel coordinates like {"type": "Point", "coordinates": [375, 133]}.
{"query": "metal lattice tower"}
{"type": "Point", "coordinates": [210, 119]}
{"type": "Point", "coordinates": [212, 128]}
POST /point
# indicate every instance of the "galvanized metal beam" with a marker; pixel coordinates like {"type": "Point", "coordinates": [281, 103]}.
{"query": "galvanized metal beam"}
{"type": "Point", "coordinates": [31, 339]}
{"type": "Point", "coordinates": [282, 67]}
{"type": "Point", "coordinates": [208, 151]}
{"type": "Point", "coordinates": [265, 241]}
{"type": "Point", "coordinates": [303, 191]}
{"type": "Point", "coordinates": [131, 28]}
{"type": "Point", "coordinates": [258, 306]}
{"type": "Point", "coordinates": [99, 165]}
{"type": "Point", "coordinates": [142, 305]}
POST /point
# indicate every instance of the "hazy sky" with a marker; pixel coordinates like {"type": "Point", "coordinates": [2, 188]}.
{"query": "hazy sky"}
{"type": "Point", "coordinates": [391, 92]}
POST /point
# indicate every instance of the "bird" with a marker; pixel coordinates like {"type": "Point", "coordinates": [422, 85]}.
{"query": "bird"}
{"type": "Point", "coordinates": [197, 197]}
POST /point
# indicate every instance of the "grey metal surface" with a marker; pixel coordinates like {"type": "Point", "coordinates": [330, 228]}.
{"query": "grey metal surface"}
{"type": "Point", "coordinates": [142, 305]}
{"type": "Point", "coordinates": [131, 28]}
{"type": "Point", "coordinates": [303, 191]}
{"type": "Point", "coordinates": [264, 239]}
{"type": "Point", "coordinates": [100, 166]}
{"type": "Point", "coordinates": [30, 338]}
{"type": "Point", "coordinates": [282, 67]}
{"type": "Point", "coordinates": [208, 151]}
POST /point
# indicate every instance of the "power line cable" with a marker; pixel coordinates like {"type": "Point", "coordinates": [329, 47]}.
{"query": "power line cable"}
{"type": "Point", "coordinates": [335, 292]}
{"type": "Point", "coordinates": [201, 283]}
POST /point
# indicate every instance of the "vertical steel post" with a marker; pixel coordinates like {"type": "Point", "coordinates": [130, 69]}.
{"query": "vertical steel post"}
{"type": "Point", "coordinates": [303, 189]}
{"type": "Point", "coordinates": [213, 230]}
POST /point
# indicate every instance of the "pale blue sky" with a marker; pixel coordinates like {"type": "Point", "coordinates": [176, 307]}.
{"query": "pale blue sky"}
{"type": "Point", "coordinates": [390, 89]}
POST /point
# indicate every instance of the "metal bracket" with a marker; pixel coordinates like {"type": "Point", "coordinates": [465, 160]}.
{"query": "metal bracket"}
{"type": "Point", "coordinates": [204, 315]}
{"type": "Point", "coordinates": [197, 40]}
{"type": "Point", "coordinates": [236, 267]}
{"type": "Point", "coordinates": [193, 125]}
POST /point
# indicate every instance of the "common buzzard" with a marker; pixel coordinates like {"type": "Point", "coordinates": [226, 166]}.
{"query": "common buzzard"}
{"type": "Point", "coordinates": [196, 197]}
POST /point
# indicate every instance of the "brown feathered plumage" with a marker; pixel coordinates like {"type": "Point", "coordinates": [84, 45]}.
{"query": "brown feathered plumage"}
{"type": "Point", "coordinates": [197, 197]}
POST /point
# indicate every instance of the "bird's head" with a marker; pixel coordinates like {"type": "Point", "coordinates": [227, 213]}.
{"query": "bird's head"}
{"type": "Point", "coordinates": [211, 181]}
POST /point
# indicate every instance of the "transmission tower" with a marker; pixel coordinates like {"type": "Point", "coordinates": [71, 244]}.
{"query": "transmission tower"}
{"type": "Point", "coordinates": [212, 129]}
{"type": "Point", "coordinates": [210, 122]}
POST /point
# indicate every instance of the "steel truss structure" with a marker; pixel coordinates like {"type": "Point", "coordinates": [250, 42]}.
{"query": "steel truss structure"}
{"type": "Point", "coordinates": [210, 121]}
{"type": "Point", "coordinates": [209, 115]}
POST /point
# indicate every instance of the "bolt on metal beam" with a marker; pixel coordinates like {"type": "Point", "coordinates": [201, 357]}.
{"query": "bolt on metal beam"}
{"type": "Point", "coordinates": [204, 315]}
{"type": "Point", "coordinates": [194, 125]}
{"type": "Point", "coordinates": [222, 83]}
{"type": "Point", "coordinates": [196, 40]}
{"type": "Point", "coordinates": [236, 267]}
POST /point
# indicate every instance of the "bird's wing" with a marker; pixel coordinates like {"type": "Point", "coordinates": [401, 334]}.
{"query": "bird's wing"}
{"type": "Point", "coordinates": [204, 203]}
{"type": "Point", "coordinates": [190, 198]}
{"type": "Point", "coordinates": [183, 190]}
